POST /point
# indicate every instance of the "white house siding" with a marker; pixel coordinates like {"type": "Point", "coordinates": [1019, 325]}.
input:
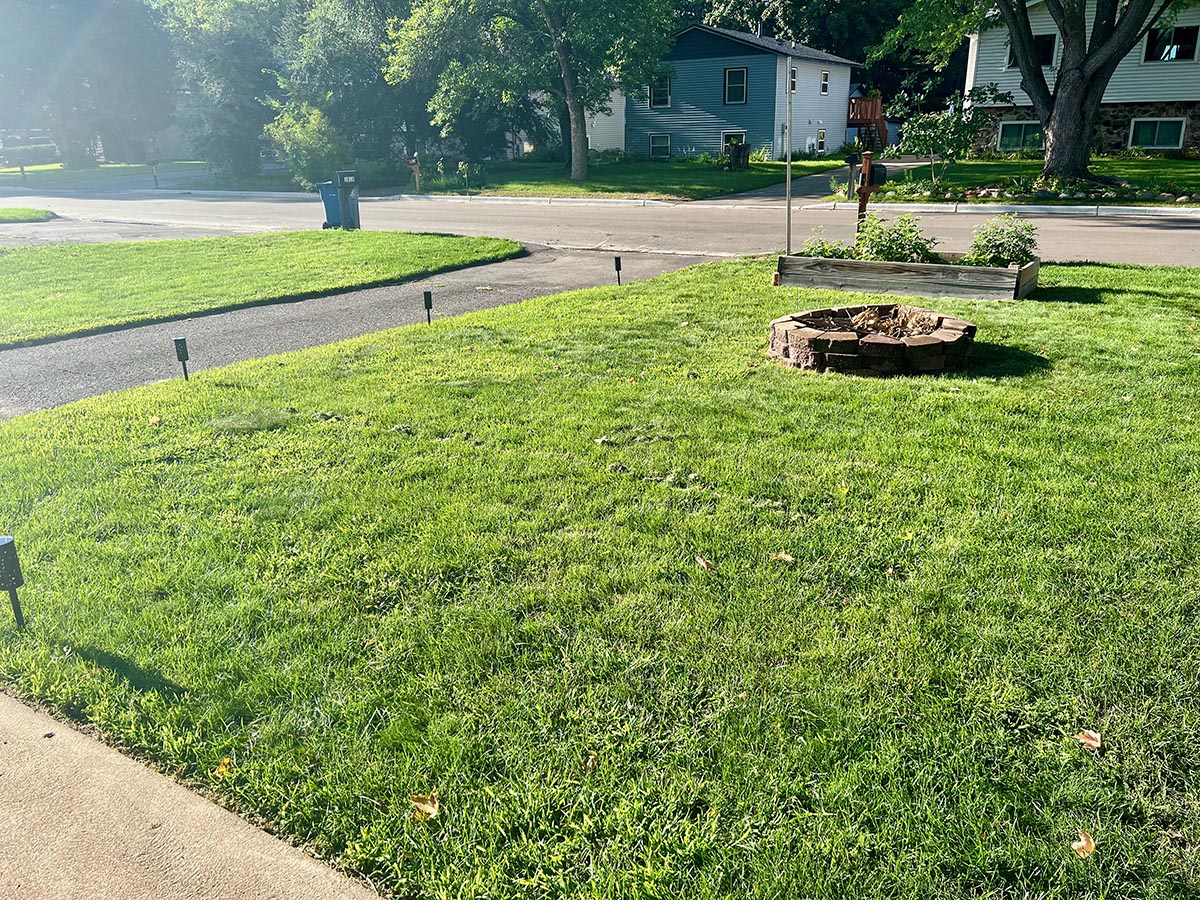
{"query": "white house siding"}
{"type": "Point", "coordinates": [1135, 81]}
{"type": "Point", "coordinates": [812, 111]}
{"type": "Point", "coordinates": [606, 131]}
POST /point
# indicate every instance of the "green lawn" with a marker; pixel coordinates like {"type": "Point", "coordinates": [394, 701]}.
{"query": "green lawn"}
{"type": "Point", "coordinates": [1178, 176]}
{"type": "Point", "coordinates": [76, 288]}
{"type": "Point", "coordinates": [461, 559]}
{"type": "Point", "coordinates": [674, 180]}
{"type": "Point", "coordinates": [22, 215]}
{"type": "Point", "coordinates": [107, 177]}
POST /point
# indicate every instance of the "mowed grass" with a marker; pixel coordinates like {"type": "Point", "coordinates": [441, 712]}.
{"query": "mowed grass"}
{"type": "Point", "coordinates": [78, 288]}
{"type": "Point", "coordinates": [665, 180]}
{"type": "Point", "coordinates": [105, 177]}
{"type": "Point", "coordinates": [23, 215]}
{"type": "Point", "coordinates": [462, 559]}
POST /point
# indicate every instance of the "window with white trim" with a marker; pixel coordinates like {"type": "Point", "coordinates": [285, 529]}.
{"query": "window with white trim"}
{"type": "Point", "coordinates": [736, 83]}
{"type": "Point", "coordinates": [1043, 48]}
{"type": "Point", "coordinates": [1021, 136]}
{"type": "Point", "coordinates": [1176, 44]}
{"type": "Point", "coordinates": [660, 92]}
{"type": "Point", "coordinates": [1156, 134]}
{"type": "Point", "coordinates": [660, 146]}
{"type": "Point", "coordinates": [824, 83]}
{"type": "Point", "coordinates": [731, 137]}
{"type": "Point", "coordinates": [792, 80]}
{"type": "Point", "coordinates": [820, 140]}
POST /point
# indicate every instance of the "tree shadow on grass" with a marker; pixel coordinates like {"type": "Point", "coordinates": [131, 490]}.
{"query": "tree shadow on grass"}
{"type": "Point", "coordinates": [140, 679]}
{"type": "Point", "coordinates": [998, 361]}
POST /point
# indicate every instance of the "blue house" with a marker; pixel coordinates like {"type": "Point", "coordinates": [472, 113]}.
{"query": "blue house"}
{"type": "Point", "coordinates": [720, 87]}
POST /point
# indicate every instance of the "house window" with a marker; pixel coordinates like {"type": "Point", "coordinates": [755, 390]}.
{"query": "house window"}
{"type": "Point", "coordinates": [731, 137]}
{"type": "Point", "coordinates": [660, 92]}
{"type": "Point", "coordinates": [792, 80]}
{"type": "Point", "coordinates": [1172, 44]}
{"type": "Point", "coordinates": [735, 86]}
{"type": "Point", "coordinates": [1156, 134]}
{"type": "Point", "coordinates": [1043, 49]}
{"type": "Point", "coordinates": [821, 140]}
{"type": "Point", "coordinates": [824, 83]}
{"type": "Point", "coordinates": [1021, 136]}
{"type": "Point", "coordinates": [660, 146]}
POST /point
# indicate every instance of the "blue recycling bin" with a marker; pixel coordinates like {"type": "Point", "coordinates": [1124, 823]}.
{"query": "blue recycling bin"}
{"type": "Point", "coordinates": [333, 209]}
{"type": "Point", "coordinates": [347, 189]}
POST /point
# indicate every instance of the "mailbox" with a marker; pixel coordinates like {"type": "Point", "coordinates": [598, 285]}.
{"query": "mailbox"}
{"type": "Point", "coordinates": [10, 566]}
{"type": "Point", "coordinates": [852, 159]}
{"type": "Point", "coordinates": [879, 174]}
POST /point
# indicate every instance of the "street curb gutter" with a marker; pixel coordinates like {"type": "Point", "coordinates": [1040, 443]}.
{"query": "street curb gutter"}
{"type": "Point", "coordinates": [1164, 212]}
{"type": "Point", "coordinates": [531, 201]}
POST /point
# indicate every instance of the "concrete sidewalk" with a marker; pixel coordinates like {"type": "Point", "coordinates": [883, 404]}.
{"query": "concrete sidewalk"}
{"type": "Point", "coordinates": [78, 819]}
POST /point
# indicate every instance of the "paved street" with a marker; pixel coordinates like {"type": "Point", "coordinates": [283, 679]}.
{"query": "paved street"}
{"type": "Point", "coordinates": [728, 227]}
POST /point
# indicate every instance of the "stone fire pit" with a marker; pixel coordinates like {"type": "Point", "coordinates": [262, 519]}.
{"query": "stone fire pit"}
{"type": "Point", "coordinates": [879, 339]}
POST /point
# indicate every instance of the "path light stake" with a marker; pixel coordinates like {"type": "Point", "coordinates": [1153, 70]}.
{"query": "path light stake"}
{"type": "Point", "coordinates": [181, 354]}
{"type": "Point", "coordinates": [11, 578]}
{"type": "Point", "coordinates": [429, 307]}
{"type": "Point", "coordinates": [617, 266]}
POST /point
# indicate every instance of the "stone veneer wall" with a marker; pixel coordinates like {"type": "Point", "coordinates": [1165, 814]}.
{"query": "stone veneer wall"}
{"type": "Point", "coordinates": [1112, 133]}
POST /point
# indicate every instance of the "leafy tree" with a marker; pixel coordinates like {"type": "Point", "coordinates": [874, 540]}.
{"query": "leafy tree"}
{"type": "Point", "coordinates": [83, 68]}
{"type": "Point", "coordinates": [226, 52]}
{"type": "Point", "coordinates": [332, 56]}
{"type": "Point", "coordinates": [947, 136]}
{"type": "Point", "coordinates": [575, 52]}
{"type": "Point", "coordinates": [310, 145]}
{"type": "Point", "coordinates": [1092, 47]}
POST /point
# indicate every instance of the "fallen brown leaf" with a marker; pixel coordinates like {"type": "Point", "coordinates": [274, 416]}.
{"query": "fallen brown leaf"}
{"type": "Point", "coordinates": [591, 762]}
{"type": "Point", "coordinates": [1085, 846]}
{"type": "Point", "coordinates": [425, 807]}
{"type": "Point", "coordinates": [705, 564]}
{"type": "Point", "coordinates": [224, 768]}
{"type": "Point", "coordinates": [783, 557]}
{"type": "Point", "coordinates": [1089, 739]}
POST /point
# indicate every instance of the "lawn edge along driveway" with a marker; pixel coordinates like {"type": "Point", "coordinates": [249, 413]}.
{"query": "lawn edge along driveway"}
{"type": "Point", "coordinates": [73, 290]}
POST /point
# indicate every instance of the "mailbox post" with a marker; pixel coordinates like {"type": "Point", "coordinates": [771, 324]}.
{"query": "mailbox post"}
{"type": "Point", "coordinates": [11, 578]}
{"type": "Point", "coordinates": [870, 179]}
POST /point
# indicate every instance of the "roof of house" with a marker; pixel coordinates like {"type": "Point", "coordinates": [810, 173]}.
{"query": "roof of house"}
{"type": "Point", "coordinates": [774, 45]}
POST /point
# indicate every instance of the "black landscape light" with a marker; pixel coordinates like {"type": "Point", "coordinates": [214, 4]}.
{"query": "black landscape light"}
{"type": "Point", "coordinates": [11, 578]}
{"type": "Point", "coordinates": [617, 266]}
{"type": "Point", "coordinates": [181, 354]}
{"type": "Point", "coordinates": [429, 307]}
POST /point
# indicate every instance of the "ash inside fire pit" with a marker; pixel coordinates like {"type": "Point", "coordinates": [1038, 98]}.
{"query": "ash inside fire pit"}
{"type": "Point", "coordinates": [880, 339]}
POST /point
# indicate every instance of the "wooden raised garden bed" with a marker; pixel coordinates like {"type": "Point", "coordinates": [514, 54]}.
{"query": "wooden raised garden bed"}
{"type": "Point", "coordinates": [920, 279]}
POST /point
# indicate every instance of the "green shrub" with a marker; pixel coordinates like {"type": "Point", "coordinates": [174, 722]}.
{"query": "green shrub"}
{"type": "Point", "coordinates": [308, 143]}
{"type": "Point", "coordinates": [901, 241]}
{"type": "Point", "coordinates": [817, 246]}
{"type": "Point", "coordinates": [1002, 241]}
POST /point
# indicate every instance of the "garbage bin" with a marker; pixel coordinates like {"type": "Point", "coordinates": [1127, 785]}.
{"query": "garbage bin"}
{"type": "Point", "coordinates": [333, 209]}
{"type": "Point", "coordinates": [347, 189]}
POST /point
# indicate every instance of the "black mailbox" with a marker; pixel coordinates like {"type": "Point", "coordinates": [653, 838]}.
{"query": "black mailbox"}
{"type": "Point", "coordinates": [879, 174]}
{"type": "Point", "coordinates": [10, 568]}
{"type": "Point", "coordinates": [852, 159]}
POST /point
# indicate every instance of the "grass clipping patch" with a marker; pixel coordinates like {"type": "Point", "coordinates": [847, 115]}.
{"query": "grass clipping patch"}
{"type": "Point", "coordinates": [583, 597]}
{"type": "Point", "coordinates": [78, 288]}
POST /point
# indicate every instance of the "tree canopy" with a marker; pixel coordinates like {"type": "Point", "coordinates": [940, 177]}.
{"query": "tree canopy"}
{"type": "Point", "coordinates": [1095, 36]}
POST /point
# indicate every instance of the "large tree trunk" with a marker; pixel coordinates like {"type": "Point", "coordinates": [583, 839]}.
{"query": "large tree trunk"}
{"type": "Point", "coordinates": [579, 146]}
{"type": "Point", "coordinates": [1070, 126]}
